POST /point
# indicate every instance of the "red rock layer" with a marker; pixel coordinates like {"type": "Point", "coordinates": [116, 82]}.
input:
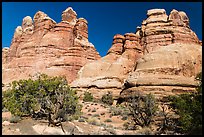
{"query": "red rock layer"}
{"type": "Point", "coordinates": [123, 60]}
{"type": "Point", "coordinates": [173, 56]}
{"type": "Point", "coordinates": [43, 46]}
{"type": "Point", "coordinates": [161, 30]}
{"type": "Point", "coordinates": [109, 72]}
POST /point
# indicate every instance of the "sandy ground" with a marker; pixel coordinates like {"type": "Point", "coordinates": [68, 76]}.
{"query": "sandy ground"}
{"type": "Point", "coordinates": [97, 111]}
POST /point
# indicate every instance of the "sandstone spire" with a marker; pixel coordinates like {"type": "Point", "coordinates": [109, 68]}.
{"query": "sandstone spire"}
{"type": "Point", "coordinates": [44, 46]}
{"type": "Point", "coordinates": [81, 29]}
{"type": "Point", "coordinates": [27, 25]}
{"type": "Point", "coordinates": [160, 29]}
{"type": "Point", "coordinates": [69, 15]}
{"type": "Point", "coordinates": [17, 34]}
{"type": "Point", "coordinates": [162, 48]}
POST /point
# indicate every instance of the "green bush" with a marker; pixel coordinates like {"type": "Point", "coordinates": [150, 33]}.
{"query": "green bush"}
{"type": "Point", "coordinates": [142, 109]}
{"type": "Point", "coordinates": [15, 119]}
{"type": "Point", "coordinates": [45, 96]}
{"type": "Point", "coordinates": [128, 126]}
{"type": "Point", "coordinates": [93, 121]}
{"type": "Point", "coordinates": [107, 98]}
{"type": "Point", "coordinates": [88, 97]}
{"type": "Point", "coordinates": [125, 117]}
{"type": "Point", "coordinates": [96, 115]}
{"type": "Point", "coordinates": [115, 111]}
{"type": "Point", "coordinates": [81, 120]}
{"type": "Point", "coordinates": [189, 108]}
{"type": "Point", "coordinates": [108, 120]}
{"type": "Point", "coordinates": [94, 110]}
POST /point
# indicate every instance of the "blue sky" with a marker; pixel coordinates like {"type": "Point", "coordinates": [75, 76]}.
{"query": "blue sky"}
{"type": "Point", "coordinates": [105, 19]}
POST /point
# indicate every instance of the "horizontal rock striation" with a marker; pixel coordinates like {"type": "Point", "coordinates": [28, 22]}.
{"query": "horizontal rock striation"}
{"type": "Point", "coordinates": [163, 56]}
{"type": "Point", "coordinates": [43, 46]}
{"type": "Point", "coordinates": [109, 72]}
{"type": "Point", "coordinates": [167, 71]}
{"type": "Point", "coordinates": [161, 30]}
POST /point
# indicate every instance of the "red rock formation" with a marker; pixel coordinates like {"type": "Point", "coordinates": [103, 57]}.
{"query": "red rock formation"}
{"type": "Point", "coordinates": [167, 71]}
{"type": "Point", "coordinates": [173, 56]}
{"type": "Point", "coordinates": [109, 72]}
{"type": "Point", "coordinates": [44, 46]}
{"type": "Point", "coordinates": [141, 54]}
{"type": "Point", "coordinates": [161, 30]}
{"type": "Point", "coordinates": [5, 55]}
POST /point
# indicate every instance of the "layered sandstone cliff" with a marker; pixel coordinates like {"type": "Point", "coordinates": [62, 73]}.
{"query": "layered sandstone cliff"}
{"type": "Point", "coordinates": [167, 71]}
{"type": "Point", "coordinates": [135, 60]}
{"type": "Point", "coordinates": [109, 72]}
{"type": "Point", "coordinates": [159, 29]}
{"type": "Point", "coordinates": [173, 56]}
{"type": "Point", "coordinates": [43, 46]}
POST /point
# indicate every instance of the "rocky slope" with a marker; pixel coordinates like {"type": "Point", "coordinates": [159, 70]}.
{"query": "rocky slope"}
{"type": "Point", "coordinates": [43, 46]}
{"type": "Point", "coordinates": [140, 52]}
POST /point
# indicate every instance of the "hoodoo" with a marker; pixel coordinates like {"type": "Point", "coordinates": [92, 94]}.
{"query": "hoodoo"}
{"type": "Point", "coordinates": [163, 56]}
{"type": "Point", "coordinates": [41, 45]}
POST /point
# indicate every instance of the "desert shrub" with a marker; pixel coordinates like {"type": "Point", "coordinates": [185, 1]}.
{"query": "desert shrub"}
{"type": "Point", "coordinates": [107, 98]}
{"type": "Point", "coordinates": [111, 131]}
{"type": "Point", "coordinates": [108, 120]}
{"type": "Point", "coordinates": [5, 110]}
{"type": "Point", "coordinates": [81, 120]}
{"type": "Point", "coordinates": [4, 119]}
{"type": "Point", "coordinates": [93, 121]}
{"type": "Point", "coordinates": [115, 111]}
{"type": "Point", "coordinates": [96, 115]}
{"type": "Point", "coordinates": [103, 125]}
{"type": "Point", "coordinates": [88, 97]}
{"type": "Point", "coordinates": [84, 117]}
{"type": "Point", "coordinates": [189, 108]}
{"type": "Point", "coordinates": [45, 96]}
{"type": "Point", "coordinates": [128, 126]}
{"type": "Point", "coordinates": [142, 109]}
{"type": "Point", "coordinates": [94, 110]}
{"type": "Point", "coordinates": [168, 121]}
{"type": "Point", "coordinates": [109, 126]}
{"type": "Point", "coordinates": [15, 119]}
{"type": "Point", "coordinates": [124, 117]}
{"type": "Point", "coordinates": [118, 110]}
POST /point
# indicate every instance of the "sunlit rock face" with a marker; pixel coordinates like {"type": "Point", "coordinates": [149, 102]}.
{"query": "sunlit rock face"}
{"type": "Point", "coordinates": [167, 71]}
{"type": "Point", "coordinates": [163, 56]}
{"type": "Point", "coordinates": [41, 45]}
{"type": "Point", "coordinates": [172, 56]}
{"type": "Point", "coordinates": [109, 72]}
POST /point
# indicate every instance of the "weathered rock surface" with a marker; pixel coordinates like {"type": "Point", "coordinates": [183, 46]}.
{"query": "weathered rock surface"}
{"type": "Point", "coordinates": [44, 46]}
{"type": "Point", "coordinates": [169, 70]}
{"type": "Point", "coordinates": [109, 72]}
{"type": "Point", "coordinates": [5, 55]}
{"type": "Point", "coordinates": [168, 67]}
{"type": "Point", "coordinates": [161, 30]}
